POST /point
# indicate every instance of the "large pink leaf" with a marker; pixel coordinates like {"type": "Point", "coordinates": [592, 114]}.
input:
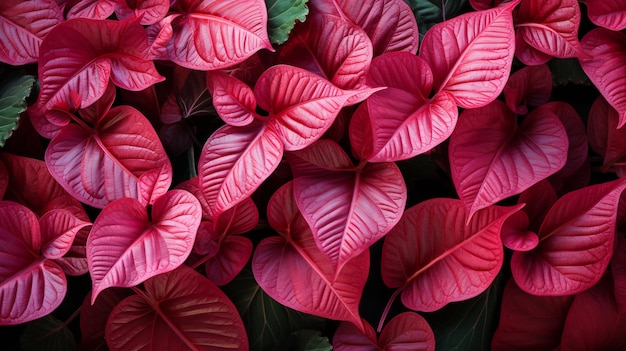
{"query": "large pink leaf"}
{"type": "Point", "coordinates": [79, 56]}
{"type": "Point", "coordinates": [23, 26]}
{"type": "Point", "coordinates": [125, 247]}
{"type": "Point", "coordinates": [492, 158]}
{"type": "Point", "coordinates": [471, 55]}
{"type": "Point", "coordinates": [30, 285]}
{"type": "Point", "coordinates": [348, 210]}
{"type": "Point", "coordinates": [150, 11]}
{"type": "Point", "coordinates": [402, 120]}
{"type": "Point", "coordinates": [92, 9]}
{"type": "Point", "coordinates": [293, 271]}
{"type": "Point", "coordinates": [529, 322]}
{"type": "Point", "coordinates": [120, 157]}
{"type": "Point", "coordinates": [575, 242]}
{"type": "Point", "coordinates": [179, 310]}
{"type": "Point", "coordinates": [213, 34]}
{"type": "Point", "coordinates": [550, 26]}
{"type": "Point", "coordinates": [576, 133]}
{"type": "Point", "coordinates": [234, 101]}
{"type": "Point", "coordinates": [607, 14]}
{"type": "Point", "coordinates": [435, 259]}
{"type": "Point", "coordinates": [606, 66]}
{"type": "Point", "coordinates": [58, 229]}
{"type": "Point", "coordinates": [531, 85]}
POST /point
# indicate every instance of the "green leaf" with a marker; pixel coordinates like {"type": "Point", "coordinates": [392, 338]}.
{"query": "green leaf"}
{"type": "Point", "coordinates": [47, 334]}
{"type": "Point", "coordinates": [268, 323]}
{"type": "Point", "coordinates": [14, 89]}
{"type": "Point", "coordinates": [282, 16]}
{"type": "Point", "coordinates": [309, 340]}
{"type": "Point", "coordinates": [428, 12]}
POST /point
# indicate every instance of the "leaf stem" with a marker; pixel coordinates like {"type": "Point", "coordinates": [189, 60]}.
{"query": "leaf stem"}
{"type": "Point", "coordinates": [191, 162]}
{"type": "Point", "coordinates": [387, 308]}
{"type": "Point", "coordinates": [73, 316]}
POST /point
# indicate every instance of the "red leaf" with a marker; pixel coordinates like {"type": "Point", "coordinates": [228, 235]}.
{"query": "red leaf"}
{"type": "Point", "coordinates": [527, 54]}
{"type": "Point", "coordinates": [234, 101]}
{"type": "Point", "coordinates": [401, 121]}
{"type": "Point", "coordinates": [516, 234]}
{"type": "Point", "coordinates": [93, 318]}
{"type": "Point", "coordinates": [23, 26]}
{"type": "Point", "coordinates": [120, 157]}
{"type": "Point", "coordinates": [294, 272]}
{"type": "Point", "coordinates": [125, 247]}
{"type": "Point", "coordinates": [538, 200]}
{"type": "Point", "coordinates": [30, 285]}
{"type": "Point", "coordinates": [550, 26]}
{"type": "Point", "coordinates": [150, 11]}
{"type": "Point", "coordinates": [435, 259]}
{"type": "Point", "coordinates": [234, 253]}
{"type": "Point", "coordinates": [80, 56]}
{"type": "Point", "coordinates": [607, 14]}
{"type": "Point", "coordinates": [576, 133]}
{"type": "Point", "coordinates": [531, 85]}
{"type": "Point", "coordinates": [491, 158]}
{"type": "Point", "coordinates": [4, 179]}
{"type": "Point", "coordinates": [214, 34]}
{"type": "Point", "coordinates": [529, 322]}
{"type": "Point", "coordinates": [58, 229]}
{"type": "Point", "coordinates": [479, 5]}
{"type": "Point", "coordinates": [348, 337]}
{"type": "Point", "coordinates": [471, 55]}
{"type": "Point", "coordinates": [575, 243]}
{"type": "Point", "coordinates": [92, 9]}
{"type": "Point", "coordinates": [179, 310]}
{"type": "Point", "coordinates": [74, 262]}
{"type": "Point", "coordinates": [618, 270]}
{"type": "Point", "coordinates": [606, 66]}
{"type": "Point", "coordinates": [604, 136]}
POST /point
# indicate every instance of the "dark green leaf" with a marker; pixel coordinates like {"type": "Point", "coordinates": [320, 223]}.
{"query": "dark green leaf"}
{"type": "Point", "coordinates": [567, 71]}
{"type": "Point", "coordinates": [429, 12]}
{"type": "Point", "coordinates": [309, 340]}
{"type": "Point", "coordinates": [14, 89]}
{"type": "Point", "coordinates": [282, 16]}
{"type": "Point", "coordinates": [267, 322]}
{"type": "Point", "coordinates": [47, 334]}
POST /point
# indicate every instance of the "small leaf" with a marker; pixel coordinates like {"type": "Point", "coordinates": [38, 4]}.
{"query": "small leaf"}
{"type": "Point", "coordinates": [531, 85]}
{"type": "Point", "coordinates": [13, 93]}
{"type": "Point", "coordinates": [234, 101]}
{"type": "Point", "coordinates": [282, 16]}
{"type": "Point", "coordinates": [49, 334]}
{"type": "Point", "coordinates": [58, 229]}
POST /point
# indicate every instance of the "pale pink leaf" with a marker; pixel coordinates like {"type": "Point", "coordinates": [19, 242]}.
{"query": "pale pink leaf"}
{"type": "Point", "coordinates": [125, 247]}
{"type": "Point", "coordinates": [92, 9]}
{"type": "Point", "coordinates": [150, 11]}
{"type": "Point", "coordinates": [608, 14]}
{"type": "Point", "coordinates": [531, 85]}
{"type": "Point", "coordinates": [58, 229]}
{"type": "Point", "coordinates": [234, 253]}
{"type": "Point", "coordinates": [234, 101]}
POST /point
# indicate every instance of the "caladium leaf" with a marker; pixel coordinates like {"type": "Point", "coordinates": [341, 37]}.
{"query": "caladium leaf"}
{"type": "Point", "coordinates": [79, 56]}
{"type": "Point", "coordinates": [529, 322]}
{"type": "Point", "coordinates": [23, 26]}
{"type": "Point", "coordinates": [550, 26]}
{"type": "Point", "coordinates": [293, 271]}
{"type": "Point", "coordinates": [120, 157]}
{"type": "Point", "coordinates": [125, 247]}
{"type": "Point", "coordinates": [562, 264]}
{"type": "Point", "coordinates": [531, 85]}
{"type": "Point", "coordinates": [605, 138]}
{"type": "Point", "coordinates": [483, 41]}
{"type": "Point", "coordinates": [150, 11]}
{"type": "Point", "coordinates": [92, 9]}
{"type": "Point", "coordinates": [576, 133]}
{"type": "Point", "coordinates": [401, 120]}
{"type": "Point", "coordinates": [487, 144]}
{"type": "Point", "coordinates": [608, 14]}
{"type": "Point", "coordinates": [233, 255]}
{"type": "Point", "coordinates": [605, 66]}
{"type": "Point", "coordinates": [58, 229]}
{"type": "Point", "coordinates": [30, 285]}
{"type": "Point", "coordinates": [74, 262]}
{"type": "Point", "coordinates": [210, 35]}
{"type": "Point", "coordinates": [178, 310]}
{"type": "Point", "coordinates": [433, 258]}
{"type": "Point", "coordinates": [516, 234]}
{"type": "Point", "coordinates": [234, 101]}
{"type": "Point", "coordinates": [527, 54]}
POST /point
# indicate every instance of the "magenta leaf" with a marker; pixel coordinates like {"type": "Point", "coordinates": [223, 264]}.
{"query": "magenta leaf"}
{"type": "Point", "coordinates": [93, 318]}
{"type": "Point", "coordinates": [58, 229]}
{"type": "Point", "coordinates": [210, 35]}
{"type": "Point", "coordinates": [516, 235]}
{"type": "Point", "coordinates": [531, 85]}
{"type": "Point", "coordinates": [476, 67]}
{"type": "Point", "coordinates": [23, 26]}
{"type": "Point", "coordinates": [538, 200]}
{"type": "Point", "coordinates": [120, 157]}
{"type": "Point", "coordinates": [150, 11]}
{"type": "Point", "coordinates": [491, 158]}
{"type": "Point", "coordinates": [293, 271]}
{"type": "Point", "coordinates": [527, 54]}
{"type": "Point", "coordinates": [234, 252]}
{"type": "Point", "coordinates": [575, 243]}
{"type": "Point", "coordinates": [30, 285]}
{"type": "Point", "coordinates": [348, 337]}
{"type": "Point", "coordinates": [606, 66]}
{"type": "Point", "coordinates": [74, 262]}
{"type": "Point", "coordinates": [401, 120]}
{"type": "Point", "coordinates": [608, 14]}
{"type": "Point", "coordinates": [435, 259]}
{"type": "Point", "coordinates": [179, 310]}
{"type": "Point", "coordinates": [125, 247]}
{"type": "Point", "coordinates": [4, 179]}
{"type": "Point", "coordinates": [605, 138]}
{"type": "Point", "coordinates": [576, 133]}
{"type": "Point", "coordinates": [79, 56]}
{"type": "Point", "coordinates": [92, 9]}
{"type": "Point", "coordinates": [479, 5]}
{"type": "Point", "coordinates": [618, 270]}
{"type": "Point", "coordinates": [234, 101]}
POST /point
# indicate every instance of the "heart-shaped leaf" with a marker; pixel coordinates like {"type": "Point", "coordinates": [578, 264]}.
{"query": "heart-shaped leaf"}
{"type": "Point", "coordinates": [531, 85]}
{"type": "Point", "coordinates": [575, 243]}
{"type": "Point", "coordinates": [233, 255]}
{"type": "Point", "coordinates": [527, 54]}
{"type": "Point", "coordinates": [608, 14]}
{"type": "Point", "coordinates": [178, 310]}
{"type": "Point", "coordinates": [58, 229]}
{"type": "Point", "coordinates": [576, 133]}
{"type": "Point", "coordinates": [92, 9]}
{"type": "Point", "coordinates": [476, 67]}
{"type": "Point", "coordinates": [4, 179]}
{"type": "Point", "coordinates": [234, 101]}
{"type": "Point", "coordinates": [491, 158]}
{"type": "Point", "coordinates": [434, 258]}
{"type": "Point", "coordinates": [125, 247]}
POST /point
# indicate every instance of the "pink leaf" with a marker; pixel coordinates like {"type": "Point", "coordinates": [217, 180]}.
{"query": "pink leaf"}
{"type": "Point", "coordinates": [121, 157]}
{"type": "Point", "coordinates": [150, 11]}
{"type": "Point", "coordinates": [608, 14]}
{"type": "Point", "coordinates": [491, 158]}
{"type": "Point", "coordinates": [4, 179]}
{"type": "Point", "coordinates": [23, 26]}
{"type": "Point", "coordinates": [529, 322]}
{"type": "Point", "coordinates": [538, 200]}
{"type": "Point", "coordinates": [125, 247]}
{"type": "Point", "coordinates": [234, 253]}
{"type": "Point", "coordinates": [74, 262]}
{"type": "Point", "coordinates": [604, 136]}
{"type": "Point", "coordinates": [531, 85]}
{"type": "Point", "coordinates": [234, 101]}
{"type": "Point", "coordinates": [348, 337]}
{"type": "Point", "coordinates": [479, 5]}
{"type": "Point", "coordinates": [92, 9]}
{"type": "Point", "coordinates": [93, 318]}
{"type": "Point", "coordinates": [210, 35]}
{"type": "Point", "coordinates": [516, 235]}
{"type": "Point", "coordinates": [576, 133]}
{"type": "Point", "coordinates": [618, 270]}
{"type": "Point", "coordinates": [550, 26]}
{"type": "Point", "coordinates": [294, 272]}
{"type": "Point", "coordinates": [30, 285]}
{"type": "Point", "coordinates": [179, 310]}
{"type": "Point", "coordinates": [606, 66]}
{"type": "Point", "coordinates": [80, 56]}
{"type": "Point", "coordinates": [457, 263]}
{"type": "Point", "coordinates": [404, 121]}
{"type": "Point", "coordinates": [58, 229]}
{"type": "Point", "coordinates": [527, 54]}
{"type": "Point", "coordinates": [575, 243]}
{"type": "Point", "coordinates": [476, 66]}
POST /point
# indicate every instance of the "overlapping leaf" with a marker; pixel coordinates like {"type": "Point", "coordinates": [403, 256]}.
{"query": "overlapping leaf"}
{"type": "Point", "coordinates": [92, 9]}
{"type": "Point", "coordinates": [608, 14]}
{"type": "Point", "coordinates": [576, 134]}
{"type": "Point", "coordinates": [93, 317]}
{"type": "Point", "coordinates": [150, 11]}
{"type": "Point", "coordinates": [234, 101]}
{"type": "Point", "coordinates": [531, 85]}
{"type": "Point", "coordinates": [282, 17]}
{"type": "Point", "coordinates": [604, 137]}
{"type": "Point", "coordinates": [618, 271]}
{"type": "Point", "coordinates": [58, 230]}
